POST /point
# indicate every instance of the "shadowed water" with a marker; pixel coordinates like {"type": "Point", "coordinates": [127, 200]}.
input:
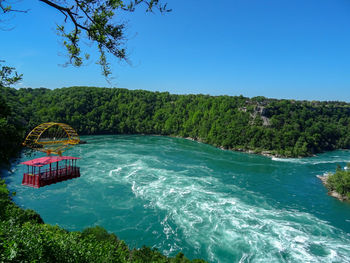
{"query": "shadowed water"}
{"type": "Point", "coordinates": [179, 195]}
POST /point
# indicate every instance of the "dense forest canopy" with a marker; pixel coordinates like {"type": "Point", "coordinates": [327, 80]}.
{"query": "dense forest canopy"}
{"type": "Point", "coordinates": [280, 127]}
{"type": "Point", "coordinates": [10, 134]}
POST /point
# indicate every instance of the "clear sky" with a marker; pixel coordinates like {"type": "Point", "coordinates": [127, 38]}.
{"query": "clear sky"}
{"type": "Point", "coordinates": [297, 49]}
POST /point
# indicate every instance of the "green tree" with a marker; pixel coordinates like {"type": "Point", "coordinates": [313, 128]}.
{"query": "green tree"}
{"type": "Point", "coordinates": [8, 75]}
{"type": "Point", "coordinates": [230, 122]}
{"type": "Point", "coordinates": [10, 133]}
{"type": "Point", "coordinates": [340, 181]}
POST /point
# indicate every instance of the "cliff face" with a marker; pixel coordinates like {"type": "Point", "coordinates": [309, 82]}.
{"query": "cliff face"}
{"type": "Point", "coordinates": [261, 111]}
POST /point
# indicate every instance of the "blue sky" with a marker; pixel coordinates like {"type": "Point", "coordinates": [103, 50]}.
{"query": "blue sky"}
{"type": "Point", "coordinates": [294, 49]}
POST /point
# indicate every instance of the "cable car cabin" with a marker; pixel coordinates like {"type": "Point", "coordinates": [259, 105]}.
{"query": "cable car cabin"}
{"type": "Point", "coordinates": [50, 170]}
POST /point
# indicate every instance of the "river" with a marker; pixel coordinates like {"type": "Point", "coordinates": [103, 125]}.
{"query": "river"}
{"type": "Point", "coordinates": [179, 195]}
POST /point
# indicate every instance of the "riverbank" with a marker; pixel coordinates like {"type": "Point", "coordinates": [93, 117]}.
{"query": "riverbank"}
{"type": "Point", "coordinates": [24, 237]}
{"type": "Point", "coordinates": [278, 128]}
{"type": "Point", "coordinates": [333, 193]}
{"type": "Point", "coordinates": [256, 151]}
{"type": "Point", "coordinates": [180, 195]}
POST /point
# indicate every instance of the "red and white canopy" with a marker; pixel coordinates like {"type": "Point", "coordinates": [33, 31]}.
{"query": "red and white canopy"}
{"type": "Point", "coordinates": [39, 162]}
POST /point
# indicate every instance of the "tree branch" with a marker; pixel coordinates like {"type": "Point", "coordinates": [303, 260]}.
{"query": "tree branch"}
{"type": "Point", "coordinates": [94, 17]}
{"type": "Point", "coordinates": [66, 11]}
{"type": "Point", "coordinates": [6, 9]}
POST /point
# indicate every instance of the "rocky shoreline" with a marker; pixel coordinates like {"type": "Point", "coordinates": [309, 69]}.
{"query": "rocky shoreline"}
{"type": "Point", "coordinates": [323, 178]}
{"type": "Point", "coordinates": [333, 193]}
{"type": "Point", "coordinates": [263, 153]}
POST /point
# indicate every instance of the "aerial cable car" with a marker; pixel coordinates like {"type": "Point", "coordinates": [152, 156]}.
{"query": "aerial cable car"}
{"type": "Point", "coordinates": [51, 138]}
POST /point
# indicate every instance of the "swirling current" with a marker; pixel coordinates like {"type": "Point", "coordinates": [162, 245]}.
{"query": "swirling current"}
{"type": "Point", "coordinates": [178, 195]}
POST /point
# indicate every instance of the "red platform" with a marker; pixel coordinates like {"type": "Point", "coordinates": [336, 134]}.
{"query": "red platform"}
{"type": "Point", "coordinates": [58, 169]}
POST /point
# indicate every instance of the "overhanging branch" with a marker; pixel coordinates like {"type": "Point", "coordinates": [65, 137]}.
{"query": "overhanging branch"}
{"type": "Point", "coordinates": [66, 11]}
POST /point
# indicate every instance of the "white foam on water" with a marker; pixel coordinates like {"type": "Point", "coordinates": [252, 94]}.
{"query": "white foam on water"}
{"type": "Point", "coordinates": [289, 160]}
{"type": "Point", "coordinates": [212, 221]}
{"type": "Point", "coordinates": [312, 160]}
{"type": "Point", "coordinates": [202, 215]}
{"type": "Point", "coordinates": [111, 172]}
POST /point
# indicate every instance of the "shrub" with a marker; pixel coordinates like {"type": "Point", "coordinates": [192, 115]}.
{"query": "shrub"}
{"type": "Point", "coordinates": [340, 182]}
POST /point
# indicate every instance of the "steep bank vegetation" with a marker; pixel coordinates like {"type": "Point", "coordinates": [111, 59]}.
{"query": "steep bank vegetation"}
{"type": "Point", "coordinates": [25, 238]}
{"type": "Point", "coordinates": [11, 133]}
{"type": "Point", "coordinates": [280, 127]}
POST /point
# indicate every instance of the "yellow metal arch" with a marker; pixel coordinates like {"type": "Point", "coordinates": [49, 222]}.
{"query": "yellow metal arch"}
{"type": "Point", "coordinates": [32, 139]}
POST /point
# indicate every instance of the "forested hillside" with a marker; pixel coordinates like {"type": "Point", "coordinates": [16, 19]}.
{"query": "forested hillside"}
{"type": "Point", "coordinates": [11, 133]}
{"type": "Point", "coordinates": [279, 127]}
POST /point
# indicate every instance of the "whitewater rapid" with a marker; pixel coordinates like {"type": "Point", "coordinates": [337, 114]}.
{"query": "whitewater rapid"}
{"type": "Point", "coordinates": [181, 196]}
{"type": "Point", "coordinates": [214, 218]}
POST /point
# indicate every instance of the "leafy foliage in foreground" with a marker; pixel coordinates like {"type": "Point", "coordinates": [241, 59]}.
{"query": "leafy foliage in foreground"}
{"type": "Point", "coordinates": [8, 75]}
{"type": "Point", "coordinates": [25, 238]}
{"type": "Point", "coordinates": [94, 21]}
{"type": "Point", "coordinates": [281, 127]}
{"type": "Point", "coordinates": [340, 181]}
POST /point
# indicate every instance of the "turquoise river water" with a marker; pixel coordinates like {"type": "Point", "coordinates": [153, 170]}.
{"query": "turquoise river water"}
{"type": "Point", "coordinates": [179, 195]}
